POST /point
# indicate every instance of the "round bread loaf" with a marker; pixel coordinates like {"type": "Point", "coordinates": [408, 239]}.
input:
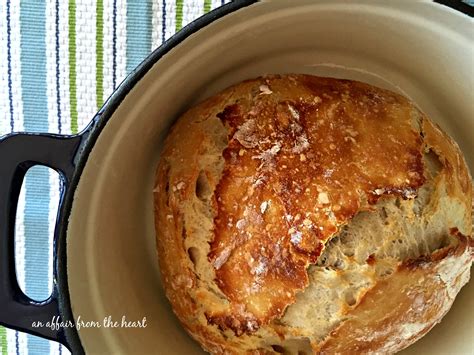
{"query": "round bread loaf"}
{"type": "Point", "coordinates": [306, 215]}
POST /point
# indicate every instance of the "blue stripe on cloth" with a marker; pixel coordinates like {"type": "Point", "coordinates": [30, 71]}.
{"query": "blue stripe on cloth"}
{"type": "Point", "coordinates": [163, 22]}
{"type": "Point", "coordinates": [114, 45]}
{"type": "Point", "coordinates": [139, 15]}
{"type": "Point", "coordinates": [58, 86]}
{"type": "Point", "coordinates": [35, 111]}
{"type": "Point", "coordinates": [17, 343]}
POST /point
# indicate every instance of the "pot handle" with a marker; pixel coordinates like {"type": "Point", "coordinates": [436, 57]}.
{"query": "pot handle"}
{"type": "Point", "coordinates": [18, 153]}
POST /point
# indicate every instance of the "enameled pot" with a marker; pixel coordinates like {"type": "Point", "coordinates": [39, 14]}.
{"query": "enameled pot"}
{"type": "Point", "coordinates": [105, 262]}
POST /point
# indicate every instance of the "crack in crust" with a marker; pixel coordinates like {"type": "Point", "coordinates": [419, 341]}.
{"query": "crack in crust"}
{"type": "Point", "coordinates": [302, 160]}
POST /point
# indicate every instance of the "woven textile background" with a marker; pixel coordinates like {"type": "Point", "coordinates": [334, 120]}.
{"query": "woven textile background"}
{"type": "Point", "coordinates": [59, 61]}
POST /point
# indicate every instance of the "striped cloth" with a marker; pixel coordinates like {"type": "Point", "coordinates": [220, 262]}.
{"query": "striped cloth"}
{"type": "Point", "coordinates": [59, 61]}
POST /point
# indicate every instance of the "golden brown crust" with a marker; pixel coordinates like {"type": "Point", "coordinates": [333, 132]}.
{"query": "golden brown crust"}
{"type": "Point", "coordinates": [252, 184]}
{"type": "Point", "coordinates": [177, 276]}
{"type": "Point", "coordinates": [414, 299]}
{"type": "Point", "coordinates": [459, 180]}
{"type": "Point", "coordinates": [296, 169]}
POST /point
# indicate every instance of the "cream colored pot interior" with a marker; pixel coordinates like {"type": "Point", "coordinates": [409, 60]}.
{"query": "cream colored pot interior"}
{"type": "Point", "coordinates": [418, 48]}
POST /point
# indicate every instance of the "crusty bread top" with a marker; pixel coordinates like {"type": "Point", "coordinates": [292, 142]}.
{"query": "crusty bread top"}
{"type": "Point", "coordinates": [304, 156]}
{"type": "Point", "coordinates": [255, 182]}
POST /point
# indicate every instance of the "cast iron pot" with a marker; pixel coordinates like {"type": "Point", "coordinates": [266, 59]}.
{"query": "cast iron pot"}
{"type": "Point", "coordinates": [105, 262]}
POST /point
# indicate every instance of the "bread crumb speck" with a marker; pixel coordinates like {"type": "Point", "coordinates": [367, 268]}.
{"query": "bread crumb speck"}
{"type": "Point", "coordinates": [240, 223]}
{"type": "Point", "coordinates": [261, 267]}
{"type": "Point", "coordinates": [294, 112]}
{"type": "Point", "coordinates": [265, 90]}
{"type": "Point", "coordinates": [352, 132]}
{"type": "Point", "coordinates": [323, 198]}
{"type": "Point", "coordinates": [328, 172]}
{"type": "Point", "coordinates": [379, 191]}
{"type": "Point", "coordinates": [296, 237]}
{"type": "Point", "coordinates": [301, 143]}
{"type": "Point", "coordinates": [222, 258]}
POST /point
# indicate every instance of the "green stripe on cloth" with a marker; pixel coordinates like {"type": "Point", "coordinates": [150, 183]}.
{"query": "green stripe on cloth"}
{"type": "Point", "coordinates": [72, 65]}
{"type": "Point", "coordinates": [179, 14]}
{"type": "Point", "coordinates": [207, 6]}
{"type": "Point", "coordinates": [3, 341]}
{"type": "Point", "coordinates": [99, 61]}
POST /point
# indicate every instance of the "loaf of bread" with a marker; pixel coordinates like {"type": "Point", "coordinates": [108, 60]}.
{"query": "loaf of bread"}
{"type": "Point", "coordinates": [306, 215]}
